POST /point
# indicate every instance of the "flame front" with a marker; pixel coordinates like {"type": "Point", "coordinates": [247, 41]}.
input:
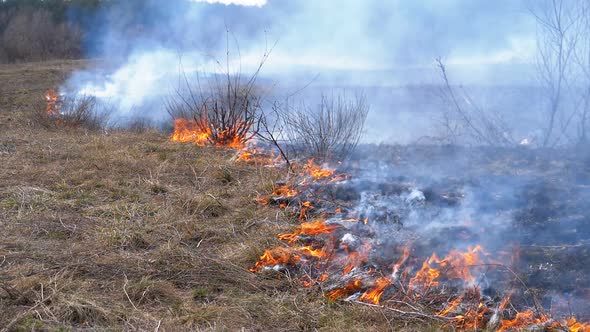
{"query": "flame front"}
{"type": "Point", "coordinates": [188, 131]}
{"type": "Point", "coordinates": [308, 228]}
{"type": "Point", "coordinates": [333, 247]}
{"type": "Point", "coordinates": [456, 265]}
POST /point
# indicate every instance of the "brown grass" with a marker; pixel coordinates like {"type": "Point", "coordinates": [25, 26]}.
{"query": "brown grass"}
{"type": "Point", "coordinates": [128, 231]}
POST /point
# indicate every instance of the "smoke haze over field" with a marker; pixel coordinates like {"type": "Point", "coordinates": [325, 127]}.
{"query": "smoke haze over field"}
{"type": "Point", "coordinates": [327, 43]}
{"type": "Point", "coordinates": [344, 35]}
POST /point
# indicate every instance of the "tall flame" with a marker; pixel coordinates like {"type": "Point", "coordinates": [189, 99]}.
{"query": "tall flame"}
{"type": "Point", "coordinates": [188, 131]}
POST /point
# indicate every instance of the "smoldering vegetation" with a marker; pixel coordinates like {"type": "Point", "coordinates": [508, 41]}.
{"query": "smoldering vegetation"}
{"type": "Point", "coordinates": [529, 203]}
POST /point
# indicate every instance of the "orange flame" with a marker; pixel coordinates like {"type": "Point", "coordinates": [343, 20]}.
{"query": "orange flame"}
{"type": "Point", "coordinates": [356, 258]}
{"type": "Point", "coordinates": [456, 265]}
{"type": "Point", "coordinates": [373, 295]}
{"type": "Point", "coordinates": [451, 306]}
{"type": "Point", "coordinates": [525, 318]}
{"type": "Point", "coordinates": [574, 326]}
{"type": "Point", "coordinates": [246, 156]}
{"type": "Point", "coordinates": [283, 192]}
{"type": "Point", "coordinates": [346, 291]}
{"type": "Point", "coordinates": [52, 107]}
{"type": "Point", "coordinates": [466, 311]}
{"type": "Point", "coordinates": [308, 228]}
{"type": "Point", "coordinates": [317, 172]}
{"type": "Point", "coordinates": [276, 256]}
{"type": "Point", "coordinates": [202, 133]}
{"type": "Point", "coordinates": [305, 206]}
{"type": "Point", "coordinates": [189, 131]}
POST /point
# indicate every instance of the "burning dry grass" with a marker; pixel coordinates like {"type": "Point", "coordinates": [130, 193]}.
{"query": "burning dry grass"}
{"type": "Point", "coordinates": [129, 231]}
{"type": "Point", "coordinates": [334, 252]}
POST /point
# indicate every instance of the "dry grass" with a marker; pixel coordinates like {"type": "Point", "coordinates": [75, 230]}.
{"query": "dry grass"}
{"type": "Point", "coordinates": [128, 231]}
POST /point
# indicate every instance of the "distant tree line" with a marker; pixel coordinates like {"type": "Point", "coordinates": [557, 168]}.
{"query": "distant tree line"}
{"type": "Point", "coordinates": [36, 30]}
{"type": "Point", "coordinates": [33, 30]}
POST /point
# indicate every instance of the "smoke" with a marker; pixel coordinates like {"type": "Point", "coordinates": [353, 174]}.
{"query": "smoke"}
{"type": "Point", "coordinates": [378, 46]}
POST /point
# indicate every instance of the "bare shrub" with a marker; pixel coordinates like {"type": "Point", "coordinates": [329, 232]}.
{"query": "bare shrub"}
{"type": "Point", "coordinates": [34, 35]}
{"type": "Point", "coordinates": [465, 122]}
{"type": "Point", "coordinates": [140, 125]}
{"type": "Point", "coordinates": [329, 132]}
{"type": "Point", "coordinates": [79, 111]}
{"type": "Point", "coordinates": [86, 112]}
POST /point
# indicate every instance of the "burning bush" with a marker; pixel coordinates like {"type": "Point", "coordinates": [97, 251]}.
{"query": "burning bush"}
{"type": "Point", "coordinates": [79, 111]}
{"type": "Point", "coordinates": [222, 111]}
{"type": "Point", "coordinates": [224, 117]}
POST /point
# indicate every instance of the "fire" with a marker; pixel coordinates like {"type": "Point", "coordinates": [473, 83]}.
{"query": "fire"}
{"type": "Point", "coordinates": [281, 193]}
{"type": "Point", "coordinates": [346, 291]}
{"type": "Point", "coordinates": [275, 257]}
{"type": "Point", "coordinates": [339, 178]}
{"type": "Point", "coordinates": [373, 295]}
{"type": "Point", "coordinates": [355, 258]}
{"type": "Point", "coordinates": [188, 131]}
{"type": "Point", "coordinates": [256, 156]}
{"type": "Point", "coordinates": [311, 252]}
{"type": "Point", "coordinates": [317, 172]}
{"type": "Point", "coordinates": [400, 262]}
{"type": "Point", "coordinates": [282, 256]}
{"type": "Point", "coordinates": [427, 276]}
{"type": "Point", "coordinates": [472, 319]}
{"type": "Point", "coordinates": [52, 107]}
{"type": "Point", "coordinates": [529, 318]}
{"type": "Point", "coordinates": [574, 326]}
{"type": "Point", "coordinates": [337, 254]}
{"type": "Point", "coordinates": [202, 133]}
{"type": "Point", "coordinates": [305, 206]}
{"type": "Point", "coordinates": [308, 228]}
{"type": "Point", "coordinates": [472, 310]}
{"type": "Point", "coordinates": [246, 156]}
{"type": "Point", "coordinates": [456, 265]}
{"type": "Point", "coordinates": [285, 191]}
{"type": "Point", "coordinates": [526, 318]}
{"type": "Point", "coordinates": [451, 306]}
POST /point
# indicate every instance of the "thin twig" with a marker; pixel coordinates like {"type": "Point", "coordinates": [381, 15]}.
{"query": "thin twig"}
{"type": "Point", "coordinates": [125, 291]}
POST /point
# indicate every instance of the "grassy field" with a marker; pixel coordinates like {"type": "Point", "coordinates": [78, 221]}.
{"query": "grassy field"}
{"type": "Point", "coordinates": [129, 231]}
